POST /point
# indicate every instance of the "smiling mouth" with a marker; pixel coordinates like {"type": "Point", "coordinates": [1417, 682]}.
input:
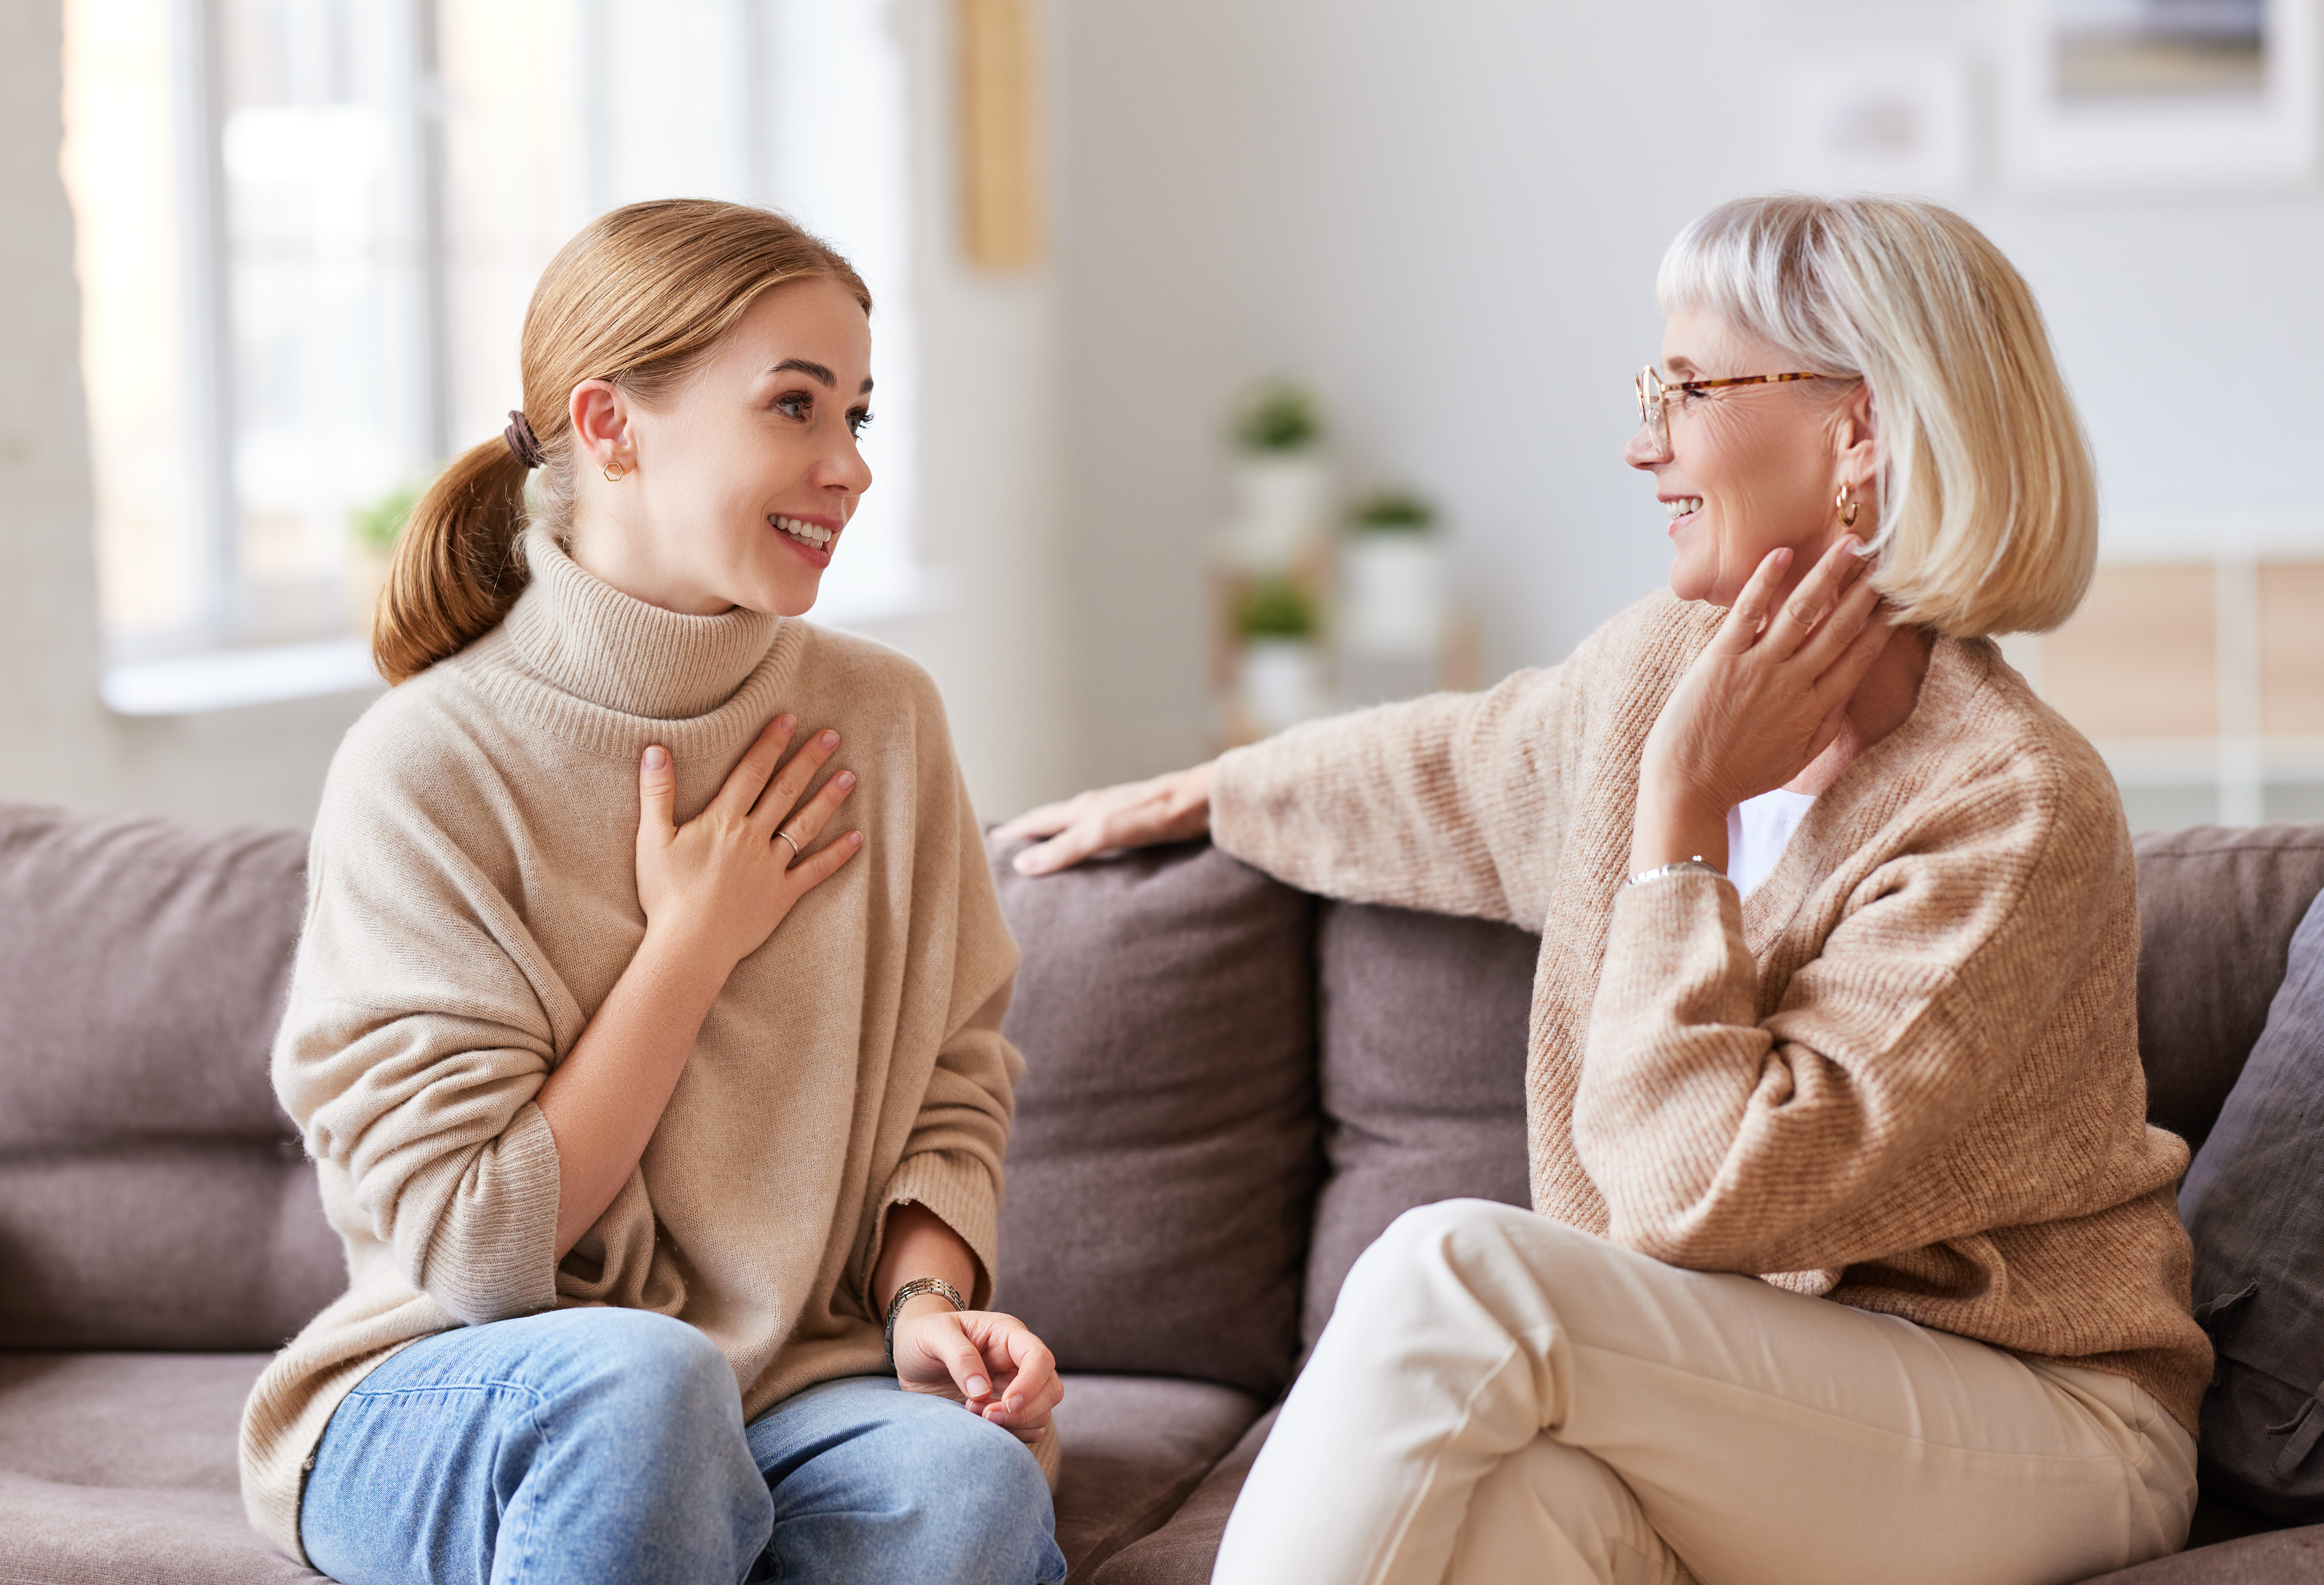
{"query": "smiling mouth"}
{"type": "Point", "coordinates": [805, 532]}
{"type": "Point", "coordinates": [1683, 505]}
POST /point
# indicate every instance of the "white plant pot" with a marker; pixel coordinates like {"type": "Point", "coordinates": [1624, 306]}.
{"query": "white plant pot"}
{"type": "Point", "coordinates": [1282, 503]}
{"type": "Point", "coordinates": [1392, 598]}
{"type": "Point", "coordinates": [1281, 683]}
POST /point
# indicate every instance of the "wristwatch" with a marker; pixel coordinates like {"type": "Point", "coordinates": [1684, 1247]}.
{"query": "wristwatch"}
{"type": "Point", "coordinates": [1683, 867]}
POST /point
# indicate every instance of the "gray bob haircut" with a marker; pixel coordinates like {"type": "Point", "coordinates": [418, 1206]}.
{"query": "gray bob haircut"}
{"type": "Point", "coordinates": [1988, 502]}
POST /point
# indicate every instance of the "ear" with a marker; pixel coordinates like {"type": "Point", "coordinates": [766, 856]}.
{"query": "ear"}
{"type": "Point", "coordinates": [1856, 439]}
{"type": "Point", "coordinates": [600, 411]}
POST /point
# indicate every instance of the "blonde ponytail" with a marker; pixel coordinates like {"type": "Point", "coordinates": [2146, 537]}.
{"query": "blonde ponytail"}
{"type": "Point", "coordinates": [457, 568]}
{"type": "Point", "coordinates": [640, 297]}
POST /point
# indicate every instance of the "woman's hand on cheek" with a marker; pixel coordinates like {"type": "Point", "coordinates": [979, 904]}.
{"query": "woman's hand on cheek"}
{"type": "Point", "coordinates": [990, 1362]}
{"type": "Point", "coordinates": [1759, 703]}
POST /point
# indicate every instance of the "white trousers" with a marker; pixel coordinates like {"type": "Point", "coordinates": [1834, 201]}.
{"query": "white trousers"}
{"type": "Point", "coordinates": [1499, 1399]}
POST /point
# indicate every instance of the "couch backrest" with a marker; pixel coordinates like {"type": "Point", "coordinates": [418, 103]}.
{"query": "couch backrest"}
{"type": "Point", "coordinates": [1207, 1049]}
{"type": "Point", "coordinates": [2217, 908]}
{"type": "Point", "coordinates": [151, 1194]}
{"type": "Point", "coordinates": [1163, 1166]}
{"type": "Point", "coordinates": [1420, 1063]}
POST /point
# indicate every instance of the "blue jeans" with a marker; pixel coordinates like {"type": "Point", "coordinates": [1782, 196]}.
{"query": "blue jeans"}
{"type": "Point", "coordinates": [606, 1447]}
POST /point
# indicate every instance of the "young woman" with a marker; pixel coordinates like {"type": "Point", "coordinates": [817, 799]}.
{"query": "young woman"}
{"type": "Point", "coordinates": [1852, 1255]}
{"type": "Point", "coordinates": [662, 1119]}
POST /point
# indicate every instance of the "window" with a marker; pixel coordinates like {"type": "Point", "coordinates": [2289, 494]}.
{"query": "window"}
{"type": "Point", "coordinates": [307, 233]}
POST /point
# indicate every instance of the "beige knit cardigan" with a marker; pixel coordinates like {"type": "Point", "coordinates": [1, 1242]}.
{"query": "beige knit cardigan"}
{"type": "Point", "coordinates": [471, 899]}
{"type": "Point", "coordinates": [1904, 1074]}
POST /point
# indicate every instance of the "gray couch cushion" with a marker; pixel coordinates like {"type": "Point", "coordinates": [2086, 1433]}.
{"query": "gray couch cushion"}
{"type": "Point", "coordinates": [200, 1244]}
{"type": "Point", "coordinates": [1182, 1551]}
{"type": "Point", "coordinates": [142, 1153]}
{"type": "Point", "coordinates": [2216, 908]}
{"type": "Point", "coordinates": [1135, 1446]}
{"type": "Point", "coordinates": [1421, 1068]}
{"type": "Point", "coordinates": [2253, 1203]}
{"type": "Point", "coordinates": [141, 970]}
{"type": "Point", "coordinates": [2286, 1557]}
{"type": "Point", "coordinates": [119, 1469]}
{"type": "Point", "coordinates": [1162, 1168]}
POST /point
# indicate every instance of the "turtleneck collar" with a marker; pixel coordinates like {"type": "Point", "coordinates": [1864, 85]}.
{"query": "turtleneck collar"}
{"type": "Point", "coordinates": [585, 638]}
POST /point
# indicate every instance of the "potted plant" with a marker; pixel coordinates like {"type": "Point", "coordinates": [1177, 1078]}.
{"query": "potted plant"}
{"type": "Point", "coordinates": [371, 533]}
{"type": "Point", "coordinates": [1392, 594]}
{"type": "Point", "coordinates": [1279, 676]}
{"type": "Point", "coordinates": [1281, 516]}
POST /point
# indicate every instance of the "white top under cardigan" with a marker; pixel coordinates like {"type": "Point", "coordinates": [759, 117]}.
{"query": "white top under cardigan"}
{"type": "Point", "coordinates": [1756, 832]}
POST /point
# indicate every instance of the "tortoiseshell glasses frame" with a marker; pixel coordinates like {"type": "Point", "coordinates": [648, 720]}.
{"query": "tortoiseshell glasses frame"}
{"type": "Point", "coordinates": [1653, 398]}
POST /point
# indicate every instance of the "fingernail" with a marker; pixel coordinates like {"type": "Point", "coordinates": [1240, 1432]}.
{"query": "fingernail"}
{"type": "Point", "coordinates": [829, 740]}
{"type": "Point", "coordinates": [656, 758]}
{"type": "Point", "coordinates": [855, 839]}
{"type": "Point", "coordinates": [844, 779]}
{"type": "Point", "coordinates": [978, 1386]}
{"type": "Point", "coordinates": [783, 724]}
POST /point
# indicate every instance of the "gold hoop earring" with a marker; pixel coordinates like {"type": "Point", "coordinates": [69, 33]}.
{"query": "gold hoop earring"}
{"type": "Point", "coordinates": [1846, 506]}
{"type": "Point", "coordinates": [616, 473]}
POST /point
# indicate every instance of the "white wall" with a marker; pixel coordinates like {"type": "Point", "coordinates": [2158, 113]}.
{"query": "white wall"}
{"type": "Point", "coordinates": [988, 489]}
{"type": "Point", "coordinates": [1448, 216]}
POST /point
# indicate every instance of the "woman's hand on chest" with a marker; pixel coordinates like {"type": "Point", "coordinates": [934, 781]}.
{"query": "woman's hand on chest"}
{"type": "Point", "coordinates": [726, 879]}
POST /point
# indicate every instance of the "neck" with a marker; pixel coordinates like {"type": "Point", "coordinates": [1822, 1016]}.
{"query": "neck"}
{"type": "Point", "coordinates": [1881, 703]}
{"type": "Point", "coordinates": [621, 554]}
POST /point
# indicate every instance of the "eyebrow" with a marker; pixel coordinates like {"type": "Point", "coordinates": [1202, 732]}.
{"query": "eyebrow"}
{"type": "Point", "coordinates": [818, 373]}
{"type": "Point", "coordinates": [1679, 365]}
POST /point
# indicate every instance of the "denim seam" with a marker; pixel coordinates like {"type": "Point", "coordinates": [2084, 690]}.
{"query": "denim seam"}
{"type": "Point", "coordinates": [523, 1539]}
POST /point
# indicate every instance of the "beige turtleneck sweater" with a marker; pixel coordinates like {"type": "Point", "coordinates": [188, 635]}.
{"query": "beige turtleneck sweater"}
{"type": "Point", "coordinates": [1904, 1074]}
{"type": "Point", "coordinates": [471, 899]}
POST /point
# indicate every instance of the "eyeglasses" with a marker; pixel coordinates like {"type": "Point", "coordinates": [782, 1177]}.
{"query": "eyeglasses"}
{"type": "Point", "coordinates": [1653, 398]}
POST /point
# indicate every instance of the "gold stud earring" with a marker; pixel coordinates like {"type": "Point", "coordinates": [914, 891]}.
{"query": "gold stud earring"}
{"type": "Point", "coordinates": [1845, 505]}
{"type": "Point", "coordinates": [616, 473]}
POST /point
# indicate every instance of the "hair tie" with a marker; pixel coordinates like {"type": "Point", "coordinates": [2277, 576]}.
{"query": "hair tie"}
{"type": "Point", "coordinates": [519, 438]}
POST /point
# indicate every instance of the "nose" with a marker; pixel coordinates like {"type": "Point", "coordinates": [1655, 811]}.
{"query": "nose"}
{"type": "Point", "coordinates": [1642, 453]}
{"type": "Point", "coordinates": [843, 470]}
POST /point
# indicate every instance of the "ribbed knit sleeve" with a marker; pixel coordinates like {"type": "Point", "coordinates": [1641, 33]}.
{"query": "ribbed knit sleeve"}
{"type": "Point", "coordinates": [1726, 1135]}
{"type": "Point", "coordinates": [413, 1042]}
{"type": "Point", "coordinates": [1445, 802]}
{"type": "Point", "coordinates": [950, 1160]}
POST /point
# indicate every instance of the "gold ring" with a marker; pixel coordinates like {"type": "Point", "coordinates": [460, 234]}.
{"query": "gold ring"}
{"type": "Point", "coordinates": [788, 837]}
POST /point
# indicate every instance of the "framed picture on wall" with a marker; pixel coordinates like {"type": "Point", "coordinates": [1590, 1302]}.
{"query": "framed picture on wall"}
{"type": "Point", "coordinates": [2128, 94]}
{"type": "Point", "coordinates": [1880, 124]}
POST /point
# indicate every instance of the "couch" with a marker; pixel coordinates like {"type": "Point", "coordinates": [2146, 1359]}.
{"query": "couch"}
{"type": "Point", "coordinates": [1231, 1087]}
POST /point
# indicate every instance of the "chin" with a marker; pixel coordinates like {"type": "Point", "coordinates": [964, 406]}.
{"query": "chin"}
{"type": "Point", "coordinates": [1689, 582]}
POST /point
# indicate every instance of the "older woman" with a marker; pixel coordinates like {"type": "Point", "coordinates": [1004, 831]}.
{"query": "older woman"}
{"type": "Point", "coordinates": [1852, 1255]}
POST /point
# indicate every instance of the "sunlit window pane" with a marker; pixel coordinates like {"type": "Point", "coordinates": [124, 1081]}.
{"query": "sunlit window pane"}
{"type": "Point", "coordinates": [121, 165]}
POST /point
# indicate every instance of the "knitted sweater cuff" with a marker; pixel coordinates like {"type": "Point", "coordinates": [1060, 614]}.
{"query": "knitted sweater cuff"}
{"type": "Point", "coordinates": [961, 1191]}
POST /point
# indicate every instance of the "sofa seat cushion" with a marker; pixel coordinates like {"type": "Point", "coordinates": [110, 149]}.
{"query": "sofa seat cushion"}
{"type": "Point", "coordinates": [1161, 1174]}
{"type": "Point", "coordinates": [1182, 1551]}
{"type": "Point", "coordinates": [119, 1469]}
{"type": "Point", "coordinates": [2284, 1557]}
{"type": "Point", "coordinates": [1134, 1447]}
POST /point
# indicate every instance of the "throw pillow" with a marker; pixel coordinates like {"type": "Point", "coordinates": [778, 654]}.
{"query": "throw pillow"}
{"type": "Point", "coordinates": [2254, 1200]}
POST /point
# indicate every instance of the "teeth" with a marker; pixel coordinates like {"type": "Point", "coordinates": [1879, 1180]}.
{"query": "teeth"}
{"type": "Point", "coordinates": [808, 533]}
{"type": "Point", "coordinates": [1684, 504]}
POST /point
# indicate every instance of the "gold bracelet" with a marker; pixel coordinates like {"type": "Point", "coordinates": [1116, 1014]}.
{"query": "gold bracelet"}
{"type": "Point", "coordinates": [913, 1290]}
